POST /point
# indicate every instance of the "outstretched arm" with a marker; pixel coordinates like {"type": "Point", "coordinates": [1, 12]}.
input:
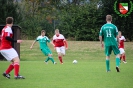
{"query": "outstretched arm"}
{"type": "Point", "coordinates": [32, 44]}
{"type": "Point", "coordinates": [12, 40]}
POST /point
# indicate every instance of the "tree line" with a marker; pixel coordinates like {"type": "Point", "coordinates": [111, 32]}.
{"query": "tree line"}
{"type": "Point", "coordinates": [78, 20]}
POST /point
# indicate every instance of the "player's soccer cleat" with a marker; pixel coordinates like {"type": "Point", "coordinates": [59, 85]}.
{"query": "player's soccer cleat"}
{"type": "Point", "coordinates": [45, 62]}
{"type": "Point", "coordinates": [124, 62]}
{"type": "Point", "coordinates": [6, 75]}
{"type": "Point", "coordinates": [55, 63]}
{"type": "Point", "coordinates": [19, 77]}
{"type": "Point", "coordinates": [117, 69]}
{"type": "Point", "coordinates": [108, 71]}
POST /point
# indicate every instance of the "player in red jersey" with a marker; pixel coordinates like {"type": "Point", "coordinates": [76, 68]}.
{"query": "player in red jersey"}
{"type": "Point", "coordinates": [8, 51]}
{"type": "Point", "coordinates": [60, 44]}
{"type": "Point", "coordinates": [121, 47]}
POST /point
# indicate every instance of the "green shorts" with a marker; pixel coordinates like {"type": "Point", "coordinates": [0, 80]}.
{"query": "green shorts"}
{"type": "Point", "coordinates": [46, 51]}
{"type": "Point", "coordinates": [108, 50]}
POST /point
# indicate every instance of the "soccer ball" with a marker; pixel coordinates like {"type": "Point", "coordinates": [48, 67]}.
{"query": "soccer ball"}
{"type": "Point", "coordinates": [75, 62]}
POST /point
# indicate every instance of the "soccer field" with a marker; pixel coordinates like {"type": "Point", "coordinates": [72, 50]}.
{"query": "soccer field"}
{"type": "Point", "coordinates": [89, 72]}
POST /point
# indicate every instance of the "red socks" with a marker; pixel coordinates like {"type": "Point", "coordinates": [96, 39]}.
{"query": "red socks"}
{"type": "Point", "coordinates": [124, 58]}
{"type": "Point", "coordinates": [16, 69]}
{"type": "Point", "coordinates": [10, 68]}
{"type": "Point", "coordinates": [60, 58]}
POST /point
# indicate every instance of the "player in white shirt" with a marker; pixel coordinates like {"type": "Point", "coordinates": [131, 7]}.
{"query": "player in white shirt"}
{"type": "Point", "coordinates": [60, 44]}
{"type": "Point", "coordinates": [121, 47]}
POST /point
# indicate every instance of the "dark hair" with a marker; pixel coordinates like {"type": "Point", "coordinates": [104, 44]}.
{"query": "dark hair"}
{"type": "Point", "coordinates": [9, 20]}
{"type": "Point", "coordinates": [109, 18]}
{"type": "Point", "coordinates": [43, 31]}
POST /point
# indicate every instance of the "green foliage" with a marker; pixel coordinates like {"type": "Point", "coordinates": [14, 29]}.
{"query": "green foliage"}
{"type": "Point", "coordinates": [84, 22]}
{"type": "Point", "coordinates": [80, 22]}
{"type": "Point", "coordinates": [34, 19]}
{"type": "Point", "coordinates": [10, 8]}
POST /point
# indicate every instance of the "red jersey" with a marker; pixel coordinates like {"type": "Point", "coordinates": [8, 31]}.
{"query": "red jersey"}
{"type": "Point", "coordinates": [121, 42]}
{"type": "Point", "coordinates": [58, 40]}
{"type": "Point", "coordinates": [6, 44]}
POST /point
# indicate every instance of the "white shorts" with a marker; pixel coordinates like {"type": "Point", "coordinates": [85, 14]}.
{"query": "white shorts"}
{"type": "Point", "coordinates": [121, 51]}
{"type": "Point", "coordinates": [9, 54]}
{"type": "Point", "coordinates": [60, 50]}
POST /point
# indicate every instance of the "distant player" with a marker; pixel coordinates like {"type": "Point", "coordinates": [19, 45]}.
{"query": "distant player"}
{"type": "Point", "coordinates": [109, 32]}
{"type": "Point", "coordinates": [43, 40]}
{"type": "Point", "coordinates": [8, 51]}
{"type": "Point", "coordinates": [60, 44]}
{"type": "Point", "coordinates": [121, 47]}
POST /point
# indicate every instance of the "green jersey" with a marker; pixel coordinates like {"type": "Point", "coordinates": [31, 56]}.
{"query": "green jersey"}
{"type": "Point", "coordinates": [43, 41]}
{"type": "Point", "coordinates": [109, 31]}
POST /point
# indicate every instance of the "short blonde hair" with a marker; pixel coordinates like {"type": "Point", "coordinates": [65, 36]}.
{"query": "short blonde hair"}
{"type": "Point", "coordinates": [56, 30]}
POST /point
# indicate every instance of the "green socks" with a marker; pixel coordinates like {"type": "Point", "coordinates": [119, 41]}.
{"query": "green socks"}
{"type": "Point", "coordinates": [107, 65]}
{"type": "Point", "coordinates": [117, 62]}
{"type": "Point", "coordinates": [51, 59]}
{"type": "Point", "coordinates": [47, 59]}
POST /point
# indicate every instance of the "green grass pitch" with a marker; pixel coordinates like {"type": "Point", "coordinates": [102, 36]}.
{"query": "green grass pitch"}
{"type": "Point", "coordinates": [89, 72]}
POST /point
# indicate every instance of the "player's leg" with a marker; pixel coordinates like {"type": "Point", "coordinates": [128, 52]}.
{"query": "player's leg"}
{"type": "Point", "coordinates": [8, 70]}
{"type": "Point", "coordinates": [46, 61]}
{"type": "Point", "coordinates": [16, 66]}
{"type": "Point", "coordinates": [62, 50]}
{"type": "Point", "coordinates": [108, 52]}
{"type": "Point", "coordinates": [123, 55]}
{"type": "Point", "coordinates": [48, 53]}
{"type": "Point", "coordinates": [117, 53]}
{"type": "Point", "coordinates": [117, 62]}
{"type": "Point", "coordinates": [16, 62]}
{"type": "Point", "coordinates": [51, 58]}
{"type": "Point", "coordinates": [107, 63]}
{"type": "Point", "coordinates": [59, 54]}
{"type": "Point", "coordinates": [44, 51]}
{"type": "Point", "coordinates": [124, 58]}
{"type": "Point", "coordinates": [120, 54]}
{"type": "Point", "coordinates": [10, 67]}
{"type": "Point", "coordinates": [120, 57]}
{"type": "Point", "coordinates": [60, 57]}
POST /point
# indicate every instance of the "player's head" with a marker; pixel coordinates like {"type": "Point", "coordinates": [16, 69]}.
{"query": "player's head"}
{"type": "Point", "coordinates": [108, 18]}
{"type": "Point", "coordinates": [43, 32]}
{"type": "Point", "coordinates": [57, 32]}
{"type": "Point", "coordinates": [9, 20]}
{"type": "Point", "coordinates": [119, 33]}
